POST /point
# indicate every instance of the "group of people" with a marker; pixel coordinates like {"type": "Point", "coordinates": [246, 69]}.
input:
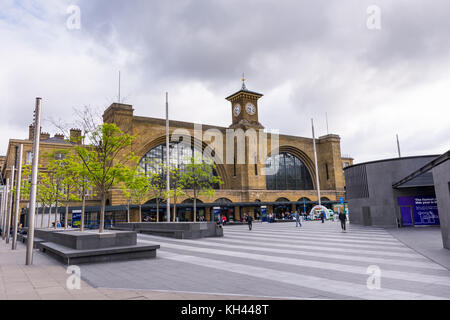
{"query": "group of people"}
{"type": "Point", "coordinates": [222, 219]}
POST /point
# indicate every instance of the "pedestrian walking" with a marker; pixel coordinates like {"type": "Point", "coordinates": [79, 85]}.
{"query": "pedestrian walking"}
{"type": "Point", "coordinates": [343, 218]}
{"type": "Point", "coordinates": [250, 222]}
{"type": "Point", "coordinates": [322, 216]}
{"type": "Point", "coordinates": [298, 219]}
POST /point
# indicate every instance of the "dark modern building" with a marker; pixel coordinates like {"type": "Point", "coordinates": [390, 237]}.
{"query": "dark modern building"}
{"type": "Point", "coordinates": [401, 192]}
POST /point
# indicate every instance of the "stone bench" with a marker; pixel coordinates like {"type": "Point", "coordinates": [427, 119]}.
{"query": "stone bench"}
{"type": "Point", "coordinates": [70, 256]}
{"type": "Point", "coordinates": [24, 238]}
{"type": "Point", "coordinates": [177, 234]}
{"type": "Point", "coordinates": [178, 230]}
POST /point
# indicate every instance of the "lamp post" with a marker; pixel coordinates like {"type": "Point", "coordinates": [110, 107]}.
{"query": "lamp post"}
{"type": "Point", "coordinates": [18, 185]}
{"type": "Point", "coordinates": [9, 212]}
{"type": "Point", "coordinates": [167, 157]}
{"type": "Point", "coordinates": [315, 161]}
{"type": "Point", "coordinates": [34, 173]}
{"type": "Point", "coordinates": [5, 208]}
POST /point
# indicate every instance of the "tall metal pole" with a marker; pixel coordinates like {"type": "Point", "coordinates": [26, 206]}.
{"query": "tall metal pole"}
{"type": "Point", "coordinates": [9, 213]}
{"type": "Point", "coordinates": [326, 116]}
{"type": "Point", "coordinates": [5, 208]}
{"type": "Point", "coordinates": [398, 147]}
{"type": "Point", "coordinates": [18, 185]}
{"type": "Point", "coordinates": [315, 161]}
{"type": "Point", "coordinates": [2, 219]}
{"type": "Point", "coordinates": [167, 157]}
{"type": "Point", "coordinates": [34, 173]}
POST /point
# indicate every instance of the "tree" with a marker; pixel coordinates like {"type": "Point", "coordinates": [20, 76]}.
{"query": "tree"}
{"type": "Point", "coordinates": [105, 160]}
{"type": "Point", "coordinates": [136, 187]}
{"type": "Point", "coordinates": [54, 178]}
{"type": "Point", "coordinates": [158, 184]}
{"type": "Point", "coordinates": [176, 188]}
{"type": "Point", "coordinates": [82, 184]}
{"type": "Point", "coordinates": [156, 173]}
{"type": "Point", "coordinates": [62, 171]}
{"type": "Point", "coordinates": [200, 179]}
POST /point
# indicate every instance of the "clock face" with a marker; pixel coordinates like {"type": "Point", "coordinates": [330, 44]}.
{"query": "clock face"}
{"type": "Point", "coordinates": [250, 108]}
{"type": "Point", "coordinates": [237, 110]}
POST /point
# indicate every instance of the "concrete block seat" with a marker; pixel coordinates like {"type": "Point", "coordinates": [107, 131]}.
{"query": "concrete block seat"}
{"type": "Point", "coordinates": [178, 230]}
{"type": "Point", "coordinates": [24, 238]}
{"type": "Point", "coordinates": [72, 256]}
{"type": "Point", "coordinates": [72, 247]}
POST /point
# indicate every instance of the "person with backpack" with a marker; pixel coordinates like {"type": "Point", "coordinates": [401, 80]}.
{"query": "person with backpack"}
{"type": "Point", "coordinates": [250, 222]}
{"type": "Point", "coordinates": [343, 218]}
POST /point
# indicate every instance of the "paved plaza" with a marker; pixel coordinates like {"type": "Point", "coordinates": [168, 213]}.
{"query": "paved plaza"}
{"type": "Point", "coordinates": [316, 261]}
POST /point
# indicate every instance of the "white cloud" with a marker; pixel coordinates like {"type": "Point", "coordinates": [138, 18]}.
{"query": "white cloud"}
{"type": "Point", "coordinates": [306, 58]}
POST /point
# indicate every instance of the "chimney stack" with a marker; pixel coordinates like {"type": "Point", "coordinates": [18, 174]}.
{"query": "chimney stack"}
{"type": "Point", "coordinates": [45, 136]}
{"type": "Point", "coordinates": [75, 136]}
{"type": "Point", "coordinates": [59, 136]}
{"type": "Point", "coordinates": [31, 132]}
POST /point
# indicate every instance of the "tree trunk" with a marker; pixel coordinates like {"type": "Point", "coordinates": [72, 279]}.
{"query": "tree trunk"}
{"type": "Point", "coordinates": [43, 214]}
{"type": "Point", "coordinates": [101, 228]}
{"type": "Point", "coordinates": [49, 216]}
{"type": "Point", "coordinates": [128, 212]}
{"type": "Point", "coordinates": [56, 214]}
{"type": "Point", "coordinates": [66, 217]}
{"type": "Point", "coordinates": [157, 209]}
{"type": "Point", "coordinates": [174, 218]}
{"type": "Point", "coordinates": [195, 208]}
{"type": "Point", "coordinates": [83, 209]}
{"type": "Point", "coordinates": [140, 213]}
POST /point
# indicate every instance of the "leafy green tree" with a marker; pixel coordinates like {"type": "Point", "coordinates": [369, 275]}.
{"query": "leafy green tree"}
{"type": "Point", "coordinates": [199, 178]}
{"type": "Point", "coordinates": [81, 183]}
{"type": "Point", "coordinates": [176, 188]}
{"type": "Point", "coordinates": [136, 187]}
{"type": "Point", "coordinates": [156, 172]}
{"type": "Point", "coordinates": [106, 160]}
{"type": "Point", "coordinates": [158, 184]}
{"type": "Point", "coordinates": [55, 178]}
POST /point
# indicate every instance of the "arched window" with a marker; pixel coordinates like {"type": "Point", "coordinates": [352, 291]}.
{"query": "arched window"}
{"type": "Point", "coordinates": [179, 156]}
{"type": "Point", "coordinates": [292, 173]}
{"type": "Point", "coordinates": [223, 201]}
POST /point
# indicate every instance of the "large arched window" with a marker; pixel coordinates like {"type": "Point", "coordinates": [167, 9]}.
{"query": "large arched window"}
{"type": "Point", "coordinates": [292, 174]}
{"type": "Point", "coordinates": [179, 156]}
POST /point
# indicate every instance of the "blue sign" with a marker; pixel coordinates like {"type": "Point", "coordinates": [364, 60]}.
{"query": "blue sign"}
{"type": "Point", "coordinates": [263, 214]}
{"type": "Point", "coordinates": [423, 209]}
{"type": "Point", "coordinates": [216, 213]}
{"type": "Point", "coordinates": [76, 219]}
{"type": "Point", "coordinates": [341, 200]}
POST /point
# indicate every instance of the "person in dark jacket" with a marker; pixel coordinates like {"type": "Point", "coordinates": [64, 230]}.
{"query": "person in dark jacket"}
{"type": "Point", "coordinates": [250, 222]}
{"type": "Point", "coordinates": [343, 218]}
{"type": "Point", "coordinates": [322, 216]}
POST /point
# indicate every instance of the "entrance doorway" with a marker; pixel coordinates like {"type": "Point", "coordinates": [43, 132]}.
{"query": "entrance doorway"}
{"type": "Point", "coordinates": [226, 208]}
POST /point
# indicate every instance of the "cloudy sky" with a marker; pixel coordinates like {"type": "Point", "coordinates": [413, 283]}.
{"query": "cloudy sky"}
{"type": "Point", "coordinates": [308, 58]}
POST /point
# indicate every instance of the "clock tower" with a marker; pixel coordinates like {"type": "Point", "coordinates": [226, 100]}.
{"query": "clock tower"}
{"type": "Point", "coordinates": [244, 108]}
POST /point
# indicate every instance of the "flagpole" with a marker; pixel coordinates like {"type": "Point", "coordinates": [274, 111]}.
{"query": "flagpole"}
{"type": "Point", "coordinates": [5, 208]}
{"type": "Point", "coordinates": [10, 208]}
{"type": "Point", "coordinates": [315, 161]}
{"type": "Point", "coordinates": [33, 188]}
{"type": "Point", "coordinates": [167, 157]}
{"type": "Point", "coordinates": [16, 211]}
